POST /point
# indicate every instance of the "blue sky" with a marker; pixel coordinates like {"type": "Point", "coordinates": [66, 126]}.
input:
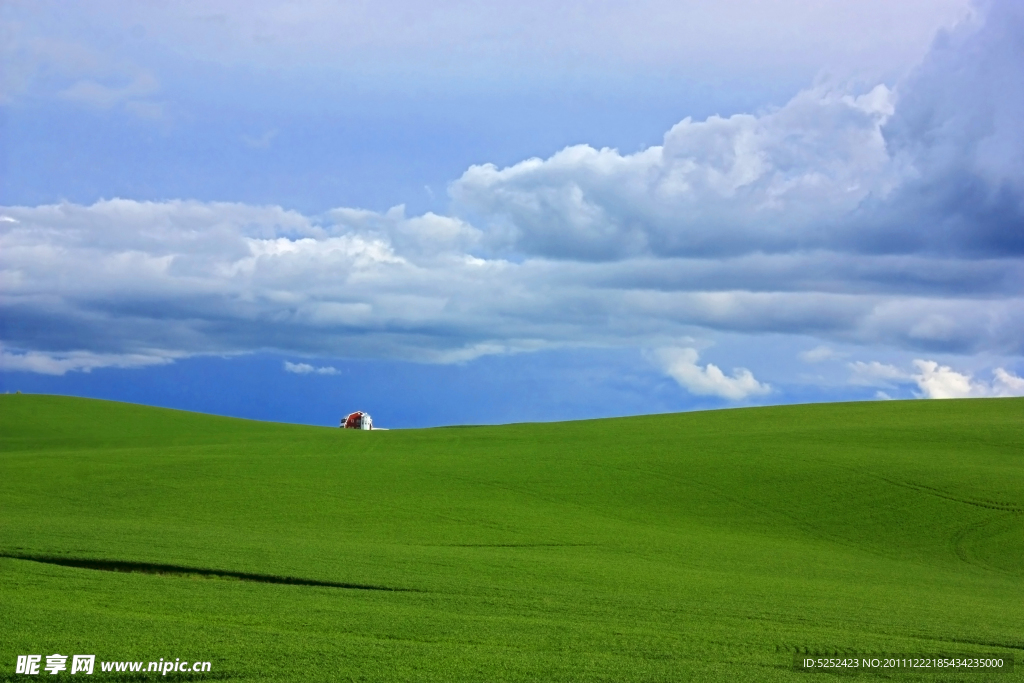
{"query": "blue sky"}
{"type": "Point", "coordinates": [491, 212]}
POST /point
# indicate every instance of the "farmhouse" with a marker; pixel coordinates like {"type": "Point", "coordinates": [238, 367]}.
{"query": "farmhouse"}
{"type": "Point", "coordinates": [357, 420]}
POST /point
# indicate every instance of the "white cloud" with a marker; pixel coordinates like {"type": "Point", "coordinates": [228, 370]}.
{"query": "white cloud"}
{"type": "Point", "coordinates": [416, 237]}
{"type": "Point", "coordinates": [935, 380]}
{"type": "Point", "coordinates": [714, 187]}
{"type": "Point", "coordinates": [298, 368]}
{"type": "Point", "coordinates": [681, 365]}
{"type": "Point", "coordinates": [306, 369]}
{"type": "Point", "coordinates": [1006, 383]}
{"type": "Point", "coordinates": [76, 361]}
{"type": "Point", "coordinates": [941, 381]}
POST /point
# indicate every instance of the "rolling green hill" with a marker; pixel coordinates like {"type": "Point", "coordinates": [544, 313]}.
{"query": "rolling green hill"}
{"type": "Point", "coordinates": [703, 546]}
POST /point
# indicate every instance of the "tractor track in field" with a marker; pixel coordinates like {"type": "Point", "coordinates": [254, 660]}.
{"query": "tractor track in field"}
{"type": "Point", "coordinates": [1018, 645]}
{"type": "Point", "coordinates": [127, 567]}
{"type": "Point", "coordinates": [959, 544]}
{"type": "Point", "coordinates": [938, 493]}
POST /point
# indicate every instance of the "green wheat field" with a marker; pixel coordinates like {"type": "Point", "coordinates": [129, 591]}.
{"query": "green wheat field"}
{"type": "Point", "coordinates": [709, 546]}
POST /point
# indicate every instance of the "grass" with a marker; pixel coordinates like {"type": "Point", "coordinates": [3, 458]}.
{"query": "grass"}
{"type": "Point", "coordinates": [703, 546]}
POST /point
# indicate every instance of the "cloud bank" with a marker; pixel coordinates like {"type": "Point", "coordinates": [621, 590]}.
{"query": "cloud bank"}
{"type": "Point", "coordinates": [885, 216]}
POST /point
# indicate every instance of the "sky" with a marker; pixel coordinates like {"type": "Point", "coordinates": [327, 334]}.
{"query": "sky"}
{"type": "Point", "coordinates": [492, 212]}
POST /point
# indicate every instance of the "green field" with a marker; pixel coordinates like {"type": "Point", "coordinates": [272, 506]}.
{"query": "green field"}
{"type": "Point", "coordinates": [702, 546]}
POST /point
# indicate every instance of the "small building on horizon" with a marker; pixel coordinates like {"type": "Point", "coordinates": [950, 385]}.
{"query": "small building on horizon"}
{"type": "Point", "coordinates": [357, 420]}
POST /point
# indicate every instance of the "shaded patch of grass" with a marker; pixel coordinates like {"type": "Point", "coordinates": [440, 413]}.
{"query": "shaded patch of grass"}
{"type": "Point", "coordinates": [177, 570]}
